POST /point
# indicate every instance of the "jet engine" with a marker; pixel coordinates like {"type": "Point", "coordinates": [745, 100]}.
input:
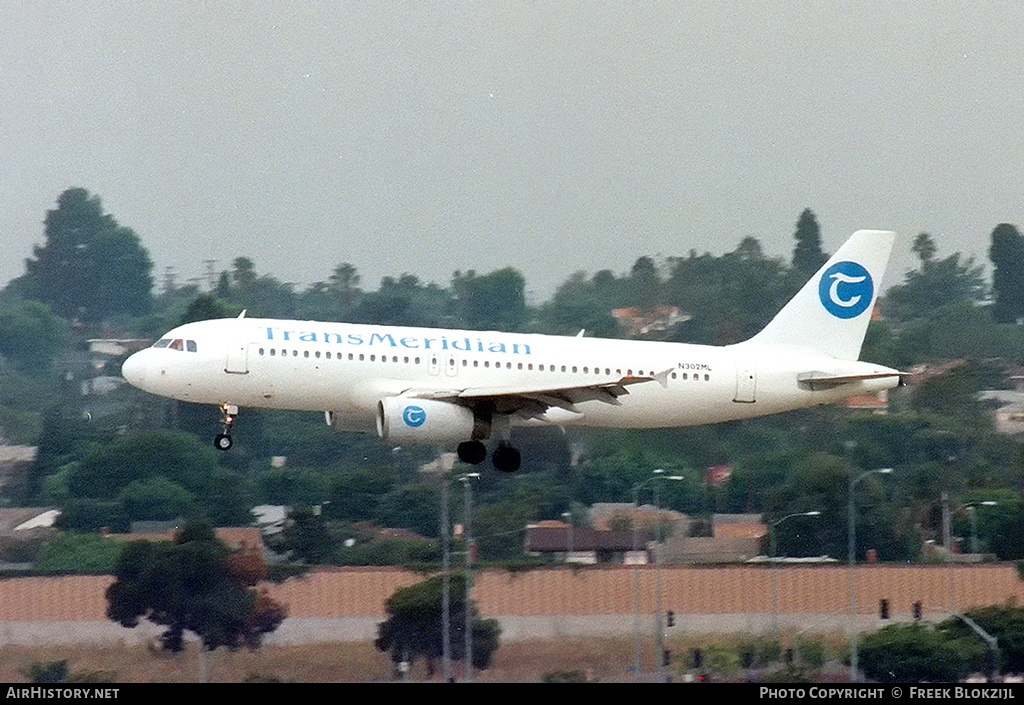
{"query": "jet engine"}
{"type": "Point", "coordinates": [408, 420]}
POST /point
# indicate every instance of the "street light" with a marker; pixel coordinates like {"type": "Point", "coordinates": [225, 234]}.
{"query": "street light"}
{"type": "Point", "coordinates": [851, 552]}
{"type": "Point", "coordinates": [467, 543]}
{"type": "Point", "coordinates": [657, 475]}
{"type": "Point", "coordinates": [568, 550]}
{"type": "Point", "coordinates": [947, 539]}
{"type": "Point", "coordinates": [974, 520]}
{"type": "Point", "coordinates": [772, 556]}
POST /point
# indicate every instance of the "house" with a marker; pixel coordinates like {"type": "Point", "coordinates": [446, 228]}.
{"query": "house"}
{"type": "Point", "coordinates": [243, 538]}
{"type": "Point", "coordinates": [650, 324]}
{"type": "Point", "coordinates": [573, 544]}
{"type": "Point", "coordinates": [735, 538]}
{"type": "Point", "coordinates": [1008, 415]}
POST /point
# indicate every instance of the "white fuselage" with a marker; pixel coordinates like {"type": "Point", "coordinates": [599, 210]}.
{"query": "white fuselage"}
{"type": "Point", "coordinates": [346, 369]}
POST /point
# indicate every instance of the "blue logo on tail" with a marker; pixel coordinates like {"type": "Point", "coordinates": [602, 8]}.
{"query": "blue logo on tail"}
{"type": "Point", "coordinates": [414, 416]}
{"type": "Point", "coordinates": [846, 289]}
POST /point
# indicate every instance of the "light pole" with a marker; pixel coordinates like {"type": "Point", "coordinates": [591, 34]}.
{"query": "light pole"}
{"type": "Point", "coordinates": [772, 557]}
{"type": "Point", "coordinates": [659, 630]}
{"type": "Point", "coordinates": [947, 539]}
{"type": "Point", "coordinates": [468, 546]}
{"type": "Point", "coordinates": [568, 548]}
{"type": "Point", "coordinates": [972, 506]}
{"type": "Point", "coordinates": [851, 552]}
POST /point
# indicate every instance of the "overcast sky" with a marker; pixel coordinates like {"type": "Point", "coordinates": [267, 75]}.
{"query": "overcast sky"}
{"type": "Point", "coordinates": [429, 137]}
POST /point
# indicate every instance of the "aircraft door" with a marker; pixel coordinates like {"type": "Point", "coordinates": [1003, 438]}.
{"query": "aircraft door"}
{"type": "Point", "coordinates": [434, 364]}
{"type": "Point", "coordinates": [237, 358]}
{"type": "Point", "coordinates": [451, 366]}
{"type": "Point", "coordinates": [746, 381]}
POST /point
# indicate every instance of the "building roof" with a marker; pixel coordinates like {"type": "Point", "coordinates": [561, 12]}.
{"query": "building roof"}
{"type": "Point", "coordinates": [23, 518]}
{"type": "Point", "coordinates": [556, 538]}
{"type": "Point", "coordinates": [245, 537]}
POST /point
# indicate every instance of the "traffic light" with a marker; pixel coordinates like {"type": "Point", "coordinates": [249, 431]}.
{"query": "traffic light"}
{"type": "Point", "coordinates": [666, 658]}
{"type": "Point", "coordinates": [883, 609]}
{"type": "Point", "coordinates": [671, 618]}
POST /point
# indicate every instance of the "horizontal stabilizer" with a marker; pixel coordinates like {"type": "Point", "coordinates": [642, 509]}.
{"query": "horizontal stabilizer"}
{"type": "Point", "coordinates": [823, 380]}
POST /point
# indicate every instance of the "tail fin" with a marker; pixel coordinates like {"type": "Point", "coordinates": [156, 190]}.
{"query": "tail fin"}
{"type": "Point", "coordinates": [831, 312]}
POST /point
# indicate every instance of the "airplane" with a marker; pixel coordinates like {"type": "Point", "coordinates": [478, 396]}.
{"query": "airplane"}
{"type": "Point", "coordinates": [461, 387]}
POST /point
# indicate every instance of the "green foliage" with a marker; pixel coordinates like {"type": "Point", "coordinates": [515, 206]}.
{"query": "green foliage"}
{"type": "Point", "coordinates": [191, 584]}
{"type": "Point", "coordinates": [60, 672]}
{"type": "Point", "coordinates": [1007, 255]}
{"type": "Point", "coordinates": [72, 553]}
{"type": "Point", "coordinates": [495, 301]}
{"type": "Point", "coordinates": [731, 297]}
{"type": "Point", "coordinates": [414, 625]}
{"type": "Point", "coordinates": [807, 254]}
{"type": "Point", "coordinates": [910, 653]}
{"type": "Point", "coordinates": [305, 537]}
{"type": "Point", "coordinates": [936, 285]}
{"type": "Point", "coordinates": [157, 474]}
{"type": "Point", "coordinates": [1003, 622]}
{"type": "Point", "coordinates": [30, 335]}
{"type": "Point", "coordinates": [89, 267]}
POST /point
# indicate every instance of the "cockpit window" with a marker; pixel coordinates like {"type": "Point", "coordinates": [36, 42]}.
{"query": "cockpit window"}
{"type": "Point", "coordinates": [177, 344]}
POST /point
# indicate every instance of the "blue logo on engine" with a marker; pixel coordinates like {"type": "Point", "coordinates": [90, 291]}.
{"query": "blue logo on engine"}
{"type": "Point", "coordinates": [846, 289]}
{"type": "Point", "coordinates": [414, 416]}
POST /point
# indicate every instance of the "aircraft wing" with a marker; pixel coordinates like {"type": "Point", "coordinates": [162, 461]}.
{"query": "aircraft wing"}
{"type": "Point", "coordinates": [532, 401]}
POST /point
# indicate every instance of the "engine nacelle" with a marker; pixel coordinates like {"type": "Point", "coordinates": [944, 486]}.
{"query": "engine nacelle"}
{"type": "Point", "coordinates": [404, 420]}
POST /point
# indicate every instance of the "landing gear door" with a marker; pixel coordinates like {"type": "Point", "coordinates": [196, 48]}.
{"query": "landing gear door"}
{"type": "Point", "coordinates": [746, 381]}
{"type": "Point", "coordinates": [237, 358]}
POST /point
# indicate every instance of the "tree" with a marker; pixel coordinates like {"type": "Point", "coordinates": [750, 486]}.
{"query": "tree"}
{"type": "Point", "coordinates": [495, 301]}
{"type": "Point", "coordinates": [910, 653]}
{"type": "Point", "coordinates": [128, 469]}
{"type": "Point", "coordinates": [194, 583]}
{"type": "Point", "coordinates": [30, 335]}
{"type": "Point", "coordinates": [414, 625]}
{"type": "Point", "coordinates": [89, 267]}
{"type": "Point", "coordinates": [1007, 256]}
{"type": "Point", "coordinates": [642, 289]}
{"type": "Point", "coordinates": [936, 284]}
{"type": "Point", "coordinates": [306, 537]}
{"type": "Point", "coordinates": [1004, 622]}
{"type": "Point", "coordinates": [924, 247]}
{"type": "Point", "coordinates": [807, 254]}
{"type": "Point", "coordinates": [204, 307]}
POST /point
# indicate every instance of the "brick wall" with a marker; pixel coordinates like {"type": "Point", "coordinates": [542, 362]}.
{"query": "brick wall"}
{"type": "Point", "coordinates": [361, 592]}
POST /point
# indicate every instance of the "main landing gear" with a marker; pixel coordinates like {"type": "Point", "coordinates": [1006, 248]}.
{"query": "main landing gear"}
{"type": "Point", "coordinates": [505, 457]}
{"type": "Point", "coordinates": [223, 440]}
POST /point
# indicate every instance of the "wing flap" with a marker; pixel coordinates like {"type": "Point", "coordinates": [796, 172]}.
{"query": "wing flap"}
{"type": "Point", "coordinates": [535, 400]}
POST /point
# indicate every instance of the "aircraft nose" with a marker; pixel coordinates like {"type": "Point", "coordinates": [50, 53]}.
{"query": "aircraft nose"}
{"type": "Point", "coordinates": [134, 370]}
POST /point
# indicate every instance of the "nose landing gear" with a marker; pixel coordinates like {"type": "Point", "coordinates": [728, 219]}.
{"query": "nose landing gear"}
{"type": "Point", "coordinates": [223, 440]}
